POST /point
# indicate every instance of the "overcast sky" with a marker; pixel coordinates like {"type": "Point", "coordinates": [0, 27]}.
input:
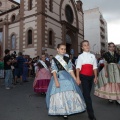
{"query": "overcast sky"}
{"type": "Point", "coordinates": [111, 12]}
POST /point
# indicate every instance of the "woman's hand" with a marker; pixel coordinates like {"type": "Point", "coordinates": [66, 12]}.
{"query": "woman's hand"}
{"type": "Point", "coordinates": [119, 66]}
{"type": "Point", "coordinates": [57, 84]}
{"type": "Point", "coordinates": [106, 74]}
{"type": "Point", "coordinates": [78, 81]}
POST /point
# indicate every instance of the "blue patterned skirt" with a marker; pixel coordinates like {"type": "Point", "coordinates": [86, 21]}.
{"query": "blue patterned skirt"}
{"type": "Point", "coordinates": [65, 100]}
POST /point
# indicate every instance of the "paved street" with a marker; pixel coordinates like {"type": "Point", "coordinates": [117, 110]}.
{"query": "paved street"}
{"type": "Point", "coordinates": [21, 103]}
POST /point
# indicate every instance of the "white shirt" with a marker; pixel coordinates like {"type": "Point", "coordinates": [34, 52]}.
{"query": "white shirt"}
{"type": "Point", "coordinates": [86, 58]}
{"type": "Point", "coordinates": [101, 61]}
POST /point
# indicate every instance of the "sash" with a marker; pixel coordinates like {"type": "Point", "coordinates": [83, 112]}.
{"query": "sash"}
{"type": "Point", "coordinates": [87, 69]}
{"type": "Point", "coordinates": [44, 65]}
{"type": "Point", "coordinates": [62, 62]}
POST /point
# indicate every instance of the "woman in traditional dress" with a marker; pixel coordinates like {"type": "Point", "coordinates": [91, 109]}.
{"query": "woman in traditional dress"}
{"type": "Point", "coordinates": [119, 62]}
{"type": "Point", "coordinates": [43, 76]}
{"type": "Point", "coordinates": [108, 86]}
{"type": "Point", "coordinates": [63, 96]}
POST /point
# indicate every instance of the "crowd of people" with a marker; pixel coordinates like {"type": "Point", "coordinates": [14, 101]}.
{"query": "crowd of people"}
{"type": "Point", "coordinates": [16, 68]}
{"type": "Point", "coordinates": [58, 77]}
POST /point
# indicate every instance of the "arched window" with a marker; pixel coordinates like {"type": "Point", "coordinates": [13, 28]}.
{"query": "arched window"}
{"type": "Point", "coordinates": [13, 41]}
{"type": "Point", "coordinates": [13, 18]}
{"type": "Point", "coordinates": [51, 5]}
{"type": "Point", "coordinates": [30, 2]}
{"type": "Point", "coordinates": [29, 37]}
{"type": "Point", "coordinates": [50, 38]}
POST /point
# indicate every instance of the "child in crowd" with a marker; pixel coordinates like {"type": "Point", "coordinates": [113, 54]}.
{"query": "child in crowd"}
{"type": "Point", "coordinates": [43, 76]}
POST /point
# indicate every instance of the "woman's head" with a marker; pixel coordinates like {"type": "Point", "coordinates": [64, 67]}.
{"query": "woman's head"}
{"type": "Point", "coordinates": [85, 46]}
{"type": "Point", "coordinates": [61, 49]}
{"type": "Point", "coordinates": [39, 65]}
{"type": "Point", "coordinates": [111, 46]}
{"type": "Point", "coordinates": [51, 57]}
{"type": "Point", "coordinates": [43, 57]}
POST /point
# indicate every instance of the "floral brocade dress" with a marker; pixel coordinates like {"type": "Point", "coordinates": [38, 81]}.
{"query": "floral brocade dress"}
{"type": "Point", "coordinates": [109, 87]}
{"type": "Point", "coordinates": [67, 99]}
{"type": "Point", "coordinates": [42, 80]}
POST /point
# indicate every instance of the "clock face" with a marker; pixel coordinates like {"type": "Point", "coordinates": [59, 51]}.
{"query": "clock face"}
{"type": "Point", "coordinates": [69, 14]}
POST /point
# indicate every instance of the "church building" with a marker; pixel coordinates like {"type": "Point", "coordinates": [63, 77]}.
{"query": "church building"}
{"type": "Point", "coordinates": [37, 26]}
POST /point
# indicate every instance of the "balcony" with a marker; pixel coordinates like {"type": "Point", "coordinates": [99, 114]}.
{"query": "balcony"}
{"type": "Point", "coordinates": [102, 27]}
{"type": "Point", "coordinates": [102, 20]}
{"type": "Point", "coordinates": [103, 41]}
{"type": "Point", "coordinates": [103, 48]}
{"type": "Point", "coordinates": [102, 34]}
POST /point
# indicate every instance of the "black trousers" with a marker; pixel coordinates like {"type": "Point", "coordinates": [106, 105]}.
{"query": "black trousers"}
{"type": "Point", "coordinates": [87, 82]}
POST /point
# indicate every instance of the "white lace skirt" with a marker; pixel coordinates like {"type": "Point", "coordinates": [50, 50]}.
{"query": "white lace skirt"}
{"type": "Point", "coordinates": [66, 103]}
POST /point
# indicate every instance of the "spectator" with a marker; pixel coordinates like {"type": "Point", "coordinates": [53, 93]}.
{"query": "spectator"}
{"type": "Point", "coordinates": [101, 64]}
{"type": "Point", "coordinates": [13, 65]}
{"type": "Point", "coordinates": [47, 57]}
{"type": "Point", "coordinates": [1, 68]}
{"type": "Point", "coordinates": [30, 67]}
{"type": "Point", "coordinates": [7, 68]}
{"type": "Point", "coordinates": [51, 57]}
{"type": "Point", "coordinates": [25, 69]}
{"type": "Point", "coordinates": [35, 60]}
{"type": "Point", "coordinates": [19, 67]}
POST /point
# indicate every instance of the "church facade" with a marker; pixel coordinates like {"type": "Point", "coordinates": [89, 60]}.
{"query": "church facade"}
{"type": "Point", "coordinates": [37, 26]}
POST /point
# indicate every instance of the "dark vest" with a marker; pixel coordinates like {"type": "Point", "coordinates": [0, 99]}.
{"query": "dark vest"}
{"type": "Point", "coordinates": [59, 66]}
{"type": "Point", "coordinates": [111, 59]}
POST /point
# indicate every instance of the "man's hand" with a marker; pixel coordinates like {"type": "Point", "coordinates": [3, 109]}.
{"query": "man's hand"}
{"type": "Point", "coordinates": [95, 80]}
